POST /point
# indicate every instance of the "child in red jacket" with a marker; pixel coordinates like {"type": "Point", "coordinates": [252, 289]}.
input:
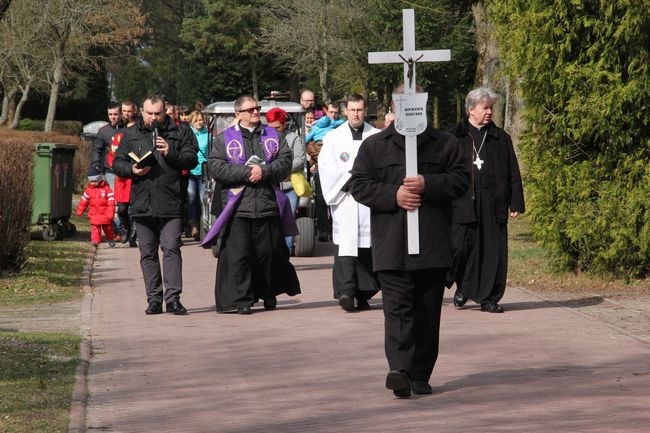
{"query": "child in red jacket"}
{"type": "Point", "coordinates": [98, 197]}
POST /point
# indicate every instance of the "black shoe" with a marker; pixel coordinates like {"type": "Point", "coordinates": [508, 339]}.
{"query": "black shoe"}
{"type": "Point", "coordinates": [459, 299]}
{"type": "Point", "coordinates": [176, 307]}
{"type": "Point", "coordinates": [421, 387]}
{"type": "Point", "coordinates": [124, 234]}
{"type": "Point", "coordinates": [133, 236]}
{"type": "Point", "coordinates": [399, 382]}
{"type": "Point", "coordinates": [323, 236]}
{"type": "Point", "coordinates": [491, 307]}
{"type": "Point", "coordinates": [363, 305]}
{"type": "Point", "coordinates": [154, 307]}
{"type": "Point", "coordinates": [246, 309]}
{"type": "Point", "coordinates": [270, 303]}
{"type": "Point", "coordinates": [346, 302]}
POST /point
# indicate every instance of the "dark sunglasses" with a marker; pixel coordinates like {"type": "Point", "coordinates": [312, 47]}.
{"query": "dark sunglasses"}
{"type": "Point", "coordinates": [251, 110]}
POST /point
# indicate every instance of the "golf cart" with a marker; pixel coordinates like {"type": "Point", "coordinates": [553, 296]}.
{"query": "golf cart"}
{"type": "Point", "coordinates": [219, 116]}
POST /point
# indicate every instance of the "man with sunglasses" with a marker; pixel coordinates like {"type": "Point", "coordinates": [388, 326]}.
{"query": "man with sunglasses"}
{"type": "Point", "coordinates": [249, 160]}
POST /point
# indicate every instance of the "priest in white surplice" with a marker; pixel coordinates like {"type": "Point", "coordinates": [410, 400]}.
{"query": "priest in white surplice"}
{"type": "Point", "coordinates": [352, 276]}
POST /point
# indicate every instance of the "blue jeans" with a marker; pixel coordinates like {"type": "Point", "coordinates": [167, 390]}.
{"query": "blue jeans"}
{"type": "Point", "coordinates": [293, 201]}
{"type": "Point", "coordinates": [195, 193]}
{"type": "Point", "coordinates": [110, 180]}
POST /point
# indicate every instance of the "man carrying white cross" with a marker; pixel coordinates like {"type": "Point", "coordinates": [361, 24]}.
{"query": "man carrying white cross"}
{"type": "Point", "coordinates": [412, 285]}
{"type": "Point", "coordinates": [394, 175]}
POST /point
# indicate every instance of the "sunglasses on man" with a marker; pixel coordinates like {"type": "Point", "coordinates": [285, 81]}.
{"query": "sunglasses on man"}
{"type": "Point", "coordinates": [250, 110]}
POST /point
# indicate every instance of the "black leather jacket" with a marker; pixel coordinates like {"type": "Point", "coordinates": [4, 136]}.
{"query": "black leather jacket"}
{"type": "Point", "coordinates": [102, 146]}
{"type": "Point", "coordinates": [161, 192]}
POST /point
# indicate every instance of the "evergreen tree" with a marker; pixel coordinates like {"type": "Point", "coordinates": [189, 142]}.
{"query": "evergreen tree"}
{"type": "Point", "coordinates": [223, 44]}
{"type": "Point", "coordinates": [584, 74]}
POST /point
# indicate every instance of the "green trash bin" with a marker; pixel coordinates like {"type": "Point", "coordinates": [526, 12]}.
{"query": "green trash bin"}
{"type": "Point", "coordinates": [53, 188]}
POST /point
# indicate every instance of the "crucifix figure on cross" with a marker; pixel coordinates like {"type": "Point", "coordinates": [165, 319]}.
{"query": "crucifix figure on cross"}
{"type": "Point", "coordinates": [411, 115]}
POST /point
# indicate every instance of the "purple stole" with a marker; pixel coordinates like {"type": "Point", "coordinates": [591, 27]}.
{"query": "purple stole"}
{"type": "Point", "coordinates": [236, 154]}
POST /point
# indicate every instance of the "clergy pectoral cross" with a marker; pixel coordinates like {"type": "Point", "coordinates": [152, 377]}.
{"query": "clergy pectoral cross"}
{"type": "Point", "coordinates": [406, 57]}
{"type": "Point", "coordinates": [478, 162]}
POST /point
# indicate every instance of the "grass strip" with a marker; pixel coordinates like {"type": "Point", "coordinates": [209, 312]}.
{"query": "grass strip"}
{"type": "Point", "coordinates": [52, 272]}
{"type": "Point", "coordinates": [530, 266]}
{"type": "Point", "coordinates": [36, 377]}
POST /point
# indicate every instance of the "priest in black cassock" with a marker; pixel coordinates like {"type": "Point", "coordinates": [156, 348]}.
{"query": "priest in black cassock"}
{"type": "Point", "coordinates": [480, 230]}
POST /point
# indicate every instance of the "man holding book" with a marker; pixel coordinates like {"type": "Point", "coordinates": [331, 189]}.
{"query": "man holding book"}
{"type": "Point", "coordinates": [249, 160]}
{"type": "Point", "coordinates": [153, 154]}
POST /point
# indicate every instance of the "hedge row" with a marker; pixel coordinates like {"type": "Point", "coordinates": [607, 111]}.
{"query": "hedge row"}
{"type": "Point", "coordinates": [583, 72]}
{"type": "Point", "coordinates": [65, 127]}
{"type": "Point", "coordinates": [16, 153]}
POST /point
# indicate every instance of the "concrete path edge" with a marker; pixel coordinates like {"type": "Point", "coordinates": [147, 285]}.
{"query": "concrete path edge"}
{"type": "Point", "coordinates": [77, 422]}
{"type": "Point", "coordinates": [587, 316]}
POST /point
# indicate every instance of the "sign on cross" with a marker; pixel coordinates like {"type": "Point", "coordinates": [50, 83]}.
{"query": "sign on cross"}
{"type": "Point", "coordinates": [411, 117]}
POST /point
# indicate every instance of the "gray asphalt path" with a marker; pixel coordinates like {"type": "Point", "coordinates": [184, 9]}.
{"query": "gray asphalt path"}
{"type": "Point", "coordinates": [311, 367]}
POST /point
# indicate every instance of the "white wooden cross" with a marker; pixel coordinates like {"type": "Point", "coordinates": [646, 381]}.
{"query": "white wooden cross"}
{"type": "Point", "coordinates": [409, 56]}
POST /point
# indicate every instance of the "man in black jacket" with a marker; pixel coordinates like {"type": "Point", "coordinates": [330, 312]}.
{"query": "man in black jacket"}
{"type": "Point", "coordinates": [157, 199]}
{"type": "Point", "coordinates": [104, 149]}
{"type": "Point", "coordinates": [105, 146]}
{"type": "Point", "coordinates": [249, 160]}
{"type": "Point", "coordinates": [480, 230]}
{"type": "Point", "coordinates": [412, 285]}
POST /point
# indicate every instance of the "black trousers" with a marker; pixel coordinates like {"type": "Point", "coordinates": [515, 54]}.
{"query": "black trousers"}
{"type": "Point", "coordinates": [353, 275]}
{"type": "Point", "coordinates": [123, 214]}
{"type": "Point", "coordinates": [163, 233]}
{"type": "Point", "coordinates": [253, 264]}
{"type": "Point", "coordinates": [321, 210]}
{"type": "Point", "coordinates": [412, 304]}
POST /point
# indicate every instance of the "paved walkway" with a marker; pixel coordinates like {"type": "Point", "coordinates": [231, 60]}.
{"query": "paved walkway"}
{"type": "Point", "coordinates": [311, 367]}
